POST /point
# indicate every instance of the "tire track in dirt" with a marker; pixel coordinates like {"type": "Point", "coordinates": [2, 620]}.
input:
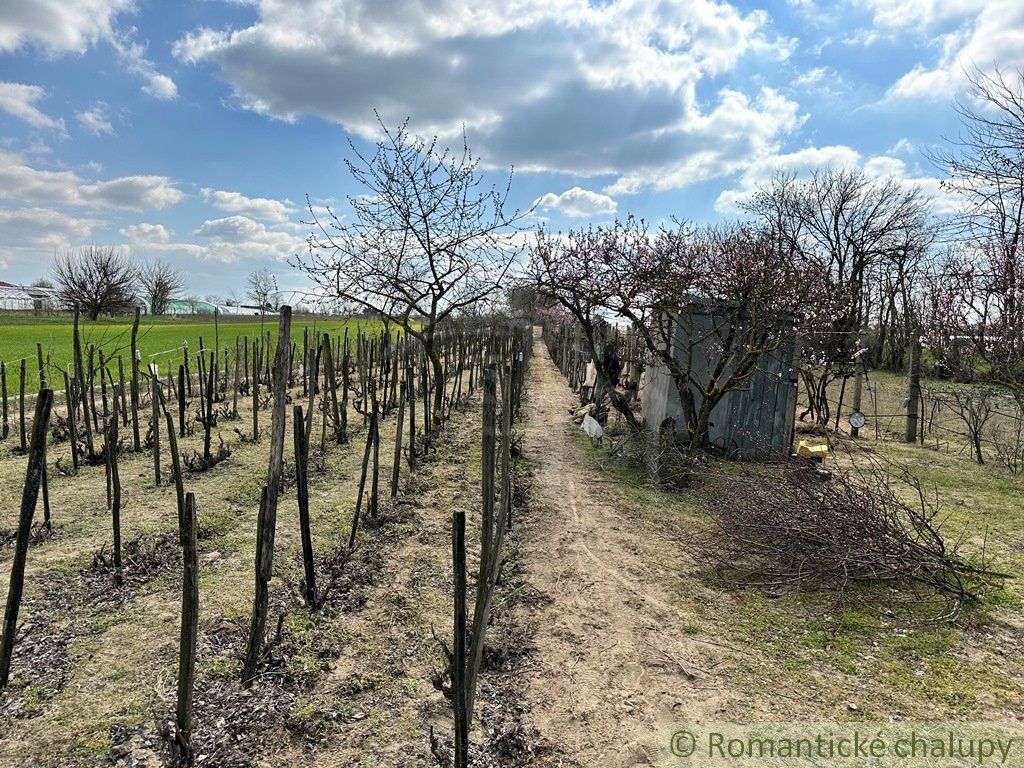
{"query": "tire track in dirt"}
{"type": "Point", "coordinates": [613, 661]}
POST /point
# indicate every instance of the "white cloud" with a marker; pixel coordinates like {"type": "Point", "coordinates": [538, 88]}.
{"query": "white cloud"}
{"type": "Point", "coordinates": [58, 27]}
{"type": "Point", "coordinates": [42, 228]}
{"type": "Point", "coordinates": [982, 33]}
{"type": "Point", "coordinates": [804, 161]}
{"type": "Point", "coordinates": [255, 207]}
{"type": "Point", "coordinates": [561, 85]}
{"type": "Point", "coordinates": [134, 192]}
{"type": "Point", "coordinates": [902, 147]}
{"type": "Point", "coordinates": [735, 134]}
{"type": "Point", "coordinates": [145, 233]}
{"type": "Point", "coordinates": [19, 181]}
{"type": "Point", "coordinates": [133, 55]}
{"type": "Point", "coordinates": [577, 203]}
{"type": "Point", "coordinates": [95, 121]}
{"type": "Point", "coordinates": [19, 100]}
{"type": "Point", "coordinates": [239, 237]}
{"type": "Point", "coordinates": [799, 162]}
{"type": "Point", "coordinates": [919, 13]}
{"type": "Point", "coordinates": [161, 87]}
{"type": "Point", "coordinates": [824, 81]}
{"type": "Point", "coordinates": [230, 229]}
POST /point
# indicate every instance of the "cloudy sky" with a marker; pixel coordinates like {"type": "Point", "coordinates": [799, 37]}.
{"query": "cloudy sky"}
{"type": "Point", "coordinates": [193, 131]}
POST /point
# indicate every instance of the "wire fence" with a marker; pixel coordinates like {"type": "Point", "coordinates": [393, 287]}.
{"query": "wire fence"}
{"type": "Point", "coordinates": [953, 418]}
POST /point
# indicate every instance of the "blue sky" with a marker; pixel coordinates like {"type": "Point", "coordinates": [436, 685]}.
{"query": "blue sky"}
{"type": "Point", "coordinates": [193, 131]}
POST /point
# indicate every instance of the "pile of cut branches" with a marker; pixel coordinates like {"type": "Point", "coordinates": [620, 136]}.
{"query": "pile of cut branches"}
{"type": "Point", "coordinates": [794, 526]}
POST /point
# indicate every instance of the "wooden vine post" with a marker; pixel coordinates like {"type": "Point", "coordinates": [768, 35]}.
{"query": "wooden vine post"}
{"type": "Point", "coordinates": [913, 392]}
{"type": "Point", "coordinates": [397, 466]}
{"type": "Point", "coordinates": [5, 427]}
{"type": "Point", "coordinates": [154, 382]}
{"type": "Point", "coordinates": [302, 492]}
{"type": "Point", "coordinates": [181, 402]}
{"type": "Point", "coordinates": [45, 481]}
{"type": "Point", "coordinates": [462, 718]}
{"type": "Point", "coordinates": [135, 393]}
{"type": "Point", "coordinates": [267, 521]}
{"type": "Point", "coordinates": [485, 578]}
{"type": "Point", "coordinates": [82, 390]}
{"type": "Point", "coordinates": [189, 628]}
{"type": "Point", "coordinates": [29, 496]}
{"type": "Point", "coordinates": [113, 472]}
{"type": "Point", "coordinates": [21, 409]}
{"type": "Point", "coordinates": [332, 390]}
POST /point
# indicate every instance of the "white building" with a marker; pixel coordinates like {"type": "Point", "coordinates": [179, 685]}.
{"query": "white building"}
{"type": "Point", "coordinates": [15, 298]}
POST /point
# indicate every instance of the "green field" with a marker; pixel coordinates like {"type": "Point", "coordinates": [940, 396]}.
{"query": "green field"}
{"type": "Point", "coordinates": [159, 341]}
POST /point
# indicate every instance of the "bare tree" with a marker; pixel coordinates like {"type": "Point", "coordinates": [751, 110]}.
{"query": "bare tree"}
{"type": "Point", "coordinates": [261, 287]}
{"type": "Point", "coordinates": [870, 237]}
{"type": "Point", "coordinates": [427, 239]}
{"type": "Point", "coordinates": [160, 282]}
{"type": "Point", "coordinates": [975, 304]}
{"type": "Point", "coordinates": [985, 162]}
{"type": "Point", "coordinates": [95, 279]}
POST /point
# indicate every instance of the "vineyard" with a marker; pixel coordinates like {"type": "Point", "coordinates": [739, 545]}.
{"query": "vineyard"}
{"type": "Point", "coordinates": [138, 615]}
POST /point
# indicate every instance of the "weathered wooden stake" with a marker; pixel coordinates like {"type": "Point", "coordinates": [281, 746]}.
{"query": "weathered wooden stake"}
{"type": "Point", "coordinates": [189, 629]}
{"type": "Point", "coordinates": [21, 408]}
{"type": "Point", "coordinates": [913, 391]}
{"type": "Point", "coordinates": [487, 533]}
{"type": "Point", "coordinates": [396, 467]}
{"type": "Point", "coordinates": [462, 719]}
{"type": "Point", "coordinates": [268, 510]}
{"type": "Point", "coordinates": [154, 381]}
{"type": "Point", "coordinates": [5, 427]}
{"type": "Point", "coordinates": [29, 496]}
{"type": "Point", "coordinates": [135, 393]}
{"type": "Point", "coordinates": [362, 488]}
{"type": "Point", "coordinates": [115, 486]}
{"type": "Point", "coordinates": [302, 491]}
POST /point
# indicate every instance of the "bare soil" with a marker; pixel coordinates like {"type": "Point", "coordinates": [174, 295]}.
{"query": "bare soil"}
{"type": "Point", "coordinates": [612, 660]}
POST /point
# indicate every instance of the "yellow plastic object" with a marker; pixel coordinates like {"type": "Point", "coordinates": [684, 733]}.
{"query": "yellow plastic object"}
{"type": "Point", "coordinates": [816, 452]}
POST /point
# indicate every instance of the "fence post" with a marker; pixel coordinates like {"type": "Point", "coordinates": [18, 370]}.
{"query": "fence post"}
{"type": "Point", "coordinates": [913, 391]}
{"type": "Point", "coordinates": [485, 577]}
{"type": "Point", "coordinates": [189, 628]}
{"type": "Point", "coordinates": [30, 494]}
{"type": "Point", "coordinates": [268, 508]}
{"type": "Point", "coordinates": [5, 426]}
{"type": "Point", "coordinates": [154, 380]}
{"type": "Point", "coordinates": [114, 474]}
{"type": "Point", "coordinates": [21, 409]}
{"type": "Point", "coordinates": [459, 639]}
{"type": "Point", "coordinates": [858, 389]}
{"type": "Point", "coordinates": [135, 395]}
{"type": "Point", "coordinates": [396, 468]}
{"type": "Point", "coordinates": [302, 492]}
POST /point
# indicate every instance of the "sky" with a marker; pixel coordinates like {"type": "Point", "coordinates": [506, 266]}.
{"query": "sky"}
{"type": "Point", "coordinates": [195, 131]}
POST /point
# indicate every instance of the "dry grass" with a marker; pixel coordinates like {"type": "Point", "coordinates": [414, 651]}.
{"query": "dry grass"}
{"type": "Point", "coordinates": [113, 653]}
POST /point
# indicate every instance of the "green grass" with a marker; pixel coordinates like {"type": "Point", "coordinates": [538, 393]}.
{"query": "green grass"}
{"type": "Point", "coordinates": [159, 339]}
{"type": "Point", "coordinates": [879, 648]}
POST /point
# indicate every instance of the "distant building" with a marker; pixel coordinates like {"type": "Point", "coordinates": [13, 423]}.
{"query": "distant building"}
{"type": "Point", "coordinates": [26, 298]}
{"type": "Point", "coordinates": [190, 307]}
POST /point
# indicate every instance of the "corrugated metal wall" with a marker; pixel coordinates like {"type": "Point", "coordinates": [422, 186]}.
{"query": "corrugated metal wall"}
{"type": "Point", "coordinates": [747, 423]}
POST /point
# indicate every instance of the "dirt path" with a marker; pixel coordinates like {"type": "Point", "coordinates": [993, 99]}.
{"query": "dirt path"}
{"type": "Point", "coordinates": [613, 658]}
